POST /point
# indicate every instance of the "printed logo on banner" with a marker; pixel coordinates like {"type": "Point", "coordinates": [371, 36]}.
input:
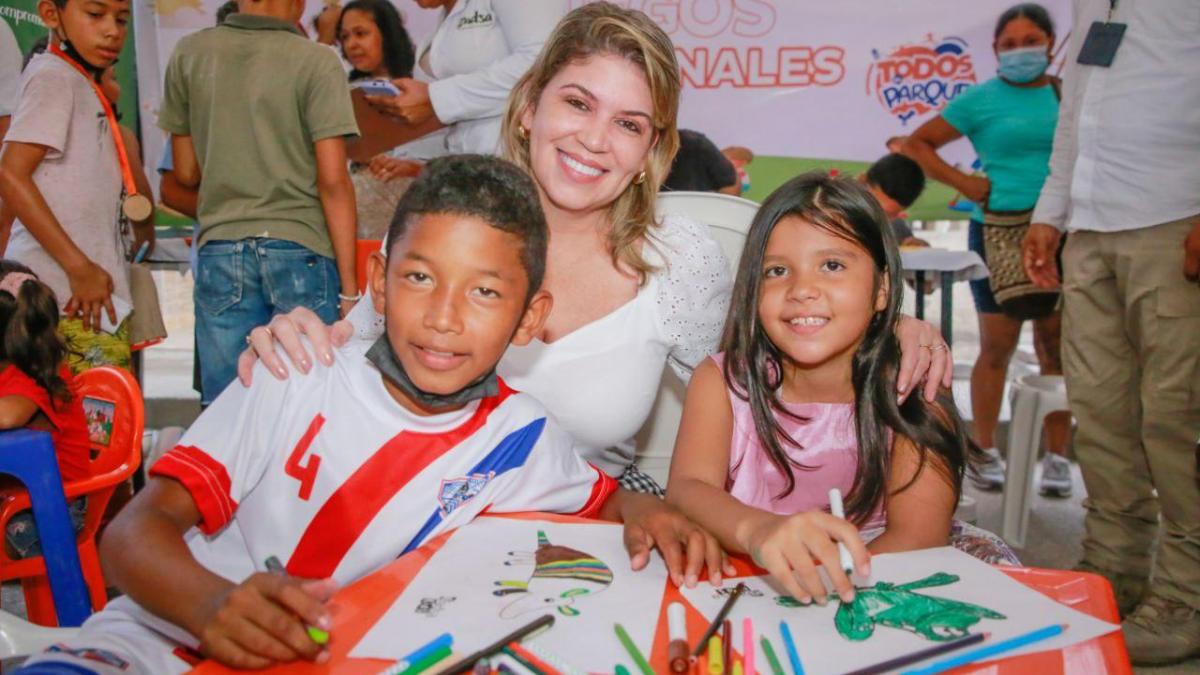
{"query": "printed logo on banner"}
{"type": "Point", "coordinates": [922, 77]}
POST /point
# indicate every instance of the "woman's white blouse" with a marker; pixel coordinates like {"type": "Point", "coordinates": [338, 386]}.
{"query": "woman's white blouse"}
{"type": "Point", "coordinates": [600, 381]}
{"type": "Point", "coordinates": [475, 57]}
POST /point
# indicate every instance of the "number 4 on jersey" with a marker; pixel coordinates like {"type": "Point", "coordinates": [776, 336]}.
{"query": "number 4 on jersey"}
{"type": "Point", "coordinates": [305, 473]}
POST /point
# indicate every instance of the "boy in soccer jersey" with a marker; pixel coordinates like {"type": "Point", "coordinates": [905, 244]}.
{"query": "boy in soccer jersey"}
{"type": "Point", "coordinates": [340, 471]}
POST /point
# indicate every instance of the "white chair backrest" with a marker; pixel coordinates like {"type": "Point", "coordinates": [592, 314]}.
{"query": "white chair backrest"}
{"type": "Point", "coordinates": [728, 219]}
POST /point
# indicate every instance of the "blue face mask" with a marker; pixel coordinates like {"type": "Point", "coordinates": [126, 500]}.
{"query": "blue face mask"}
{"type": "Point", "coordinates": [1023, 65]}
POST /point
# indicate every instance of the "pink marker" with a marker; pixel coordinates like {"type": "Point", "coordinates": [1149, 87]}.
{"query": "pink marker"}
{"type": "Point", "coordinates": [747, 646]}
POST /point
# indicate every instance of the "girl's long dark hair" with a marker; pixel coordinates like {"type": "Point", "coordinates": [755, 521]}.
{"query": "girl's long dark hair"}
{"type": "Point", "coordinates": [399, 55]}
{"type": "Point", "coordinates": [29, 337]}
{"type": "Point", "coordinates": [754, 366]}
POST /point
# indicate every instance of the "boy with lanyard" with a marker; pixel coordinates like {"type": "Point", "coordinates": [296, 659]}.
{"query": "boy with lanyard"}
{"type": "Point", "coordinates": [63, 172]}
{"type": "Point", "coordinates": [259, 117]}
{"type": "Point", "coordinates": [341, 470]}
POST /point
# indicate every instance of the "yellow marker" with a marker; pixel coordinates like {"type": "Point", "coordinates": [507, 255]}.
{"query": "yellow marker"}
{"type": "Point", "coordinates": [737, 667]}
{"type": "Point", "coordinates": [716, 666]}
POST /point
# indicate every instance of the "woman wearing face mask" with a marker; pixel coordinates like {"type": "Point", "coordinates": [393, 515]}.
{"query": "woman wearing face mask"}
{"type": "Point", "coordinates": [1010, 121]}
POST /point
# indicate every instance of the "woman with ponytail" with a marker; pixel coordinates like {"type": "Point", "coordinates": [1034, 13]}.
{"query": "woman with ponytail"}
{"type": "Point", "coordinates": [36, 390]}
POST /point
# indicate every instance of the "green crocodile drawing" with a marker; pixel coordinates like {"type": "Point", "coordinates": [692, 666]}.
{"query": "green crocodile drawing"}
{"type": "Point", "coordinates": [898, 606]}
{"type": "Point", "coordinates": [560, 575]}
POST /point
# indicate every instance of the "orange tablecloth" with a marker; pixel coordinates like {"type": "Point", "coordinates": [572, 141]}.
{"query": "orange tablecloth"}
{"type": "Point", "coordinates": [357, 607]}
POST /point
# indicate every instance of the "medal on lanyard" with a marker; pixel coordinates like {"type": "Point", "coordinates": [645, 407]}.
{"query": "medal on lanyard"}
{"type": "Point", "coordinates": [1100, 46]}
{"type": "Point", "coordinates": [137, 207]}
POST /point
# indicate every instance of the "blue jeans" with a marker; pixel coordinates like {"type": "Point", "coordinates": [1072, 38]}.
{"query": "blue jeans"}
{"type": "Point", "coordinates": [242, 284]}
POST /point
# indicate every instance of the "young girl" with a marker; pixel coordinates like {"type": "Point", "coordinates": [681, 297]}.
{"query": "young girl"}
{"type": "Point", "coordinates": [802, 399]}
{"type": "Point", "coordinates": [36, 388]}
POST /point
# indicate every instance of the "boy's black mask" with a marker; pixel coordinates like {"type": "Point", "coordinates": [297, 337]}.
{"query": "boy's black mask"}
{"type": "Point", "coordinates": [384, 358]}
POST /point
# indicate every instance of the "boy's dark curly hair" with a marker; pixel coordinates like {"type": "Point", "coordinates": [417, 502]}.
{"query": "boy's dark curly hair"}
{"type": "Point", "coordinates": [489, 188]}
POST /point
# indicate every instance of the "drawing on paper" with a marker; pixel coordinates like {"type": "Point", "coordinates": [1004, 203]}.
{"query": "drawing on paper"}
{"type": "Point", "coordinates": [560, 576]}
{"type": "Point", "coordinates": [431, 607]}
{"type": "Point", "coordinates": [899, 606]}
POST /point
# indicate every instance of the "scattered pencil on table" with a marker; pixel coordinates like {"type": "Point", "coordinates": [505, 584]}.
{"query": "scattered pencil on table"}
{"type": "Point", "coordinates": [528, 630]}
{"type": "Point", "coordinates": [634, 652]}
{"type": "Point", "coordinates": [315, 633]}
{"type": "Point", "coordinates": [918, 656]}
{"type": "Point", "coordinates": [621, 670]}
{"type": "Point", "coordinates": [716, 665]}
{"type": "Point", "coordinates": [748, 645]}
{"type": "Point", "coordinates": [439, 647]}
{"type": "Point", "coordinates": [737, 668]}
{"type": "Point", "coordinates": [790, 645]}
{"type": "Point", "coordinates": [716, 622]}
{"type": "Point", "coordinates": [535, 662]}
{"type": "Point", "coordinates": [839, 511]}
{"type": "Point", "coordinates": [991, 650]}
{"type": "Point", "coordinates": [772, 660]}
{"type": "Point", "coordinates": [677, 648]}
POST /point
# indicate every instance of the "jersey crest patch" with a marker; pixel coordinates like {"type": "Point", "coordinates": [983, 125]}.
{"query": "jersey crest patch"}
{"type": "Point", "coordinates": [457, 491]}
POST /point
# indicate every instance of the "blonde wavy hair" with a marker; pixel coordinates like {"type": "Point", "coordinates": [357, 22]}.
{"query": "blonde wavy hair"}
{"type": "Point", "coordinates": [604, 28]}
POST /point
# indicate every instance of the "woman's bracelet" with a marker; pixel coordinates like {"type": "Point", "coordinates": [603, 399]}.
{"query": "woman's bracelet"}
{"type": "Point", "coordinates": [350, 298]}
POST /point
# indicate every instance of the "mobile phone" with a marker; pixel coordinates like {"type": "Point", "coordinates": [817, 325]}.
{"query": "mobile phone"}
{"type": "Point", "coordinates": [378, 88]}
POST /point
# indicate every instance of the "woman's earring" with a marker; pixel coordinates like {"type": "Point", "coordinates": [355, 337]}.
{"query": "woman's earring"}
{"type": "Point", "coordinates": [523, 131]}
{"type": "Point", "coordinates": [641, 178]}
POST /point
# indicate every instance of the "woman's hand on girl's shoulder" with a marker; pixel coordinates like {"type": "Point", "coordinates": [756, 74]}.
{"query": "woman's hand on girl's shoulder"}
{"type": "Point", "coordinates": [790, 548]}
{"type": "Point", "coordinates": [285, 330]}
{"type": "Point", "coordinates": [924, 356]}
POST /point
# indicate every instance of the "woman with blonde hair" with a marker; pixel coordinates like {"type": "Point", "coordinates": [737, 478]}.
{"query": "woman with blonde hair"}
{"type": "Point", "coordinates": [594, 122]}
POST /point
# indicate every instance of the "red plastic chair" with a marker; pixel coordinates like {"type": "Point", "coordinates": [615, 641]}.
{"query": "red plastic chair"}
{"type": "Point", "coordinates": [113, 404]}
{"type": "Point", "coordinates": [365, 248]}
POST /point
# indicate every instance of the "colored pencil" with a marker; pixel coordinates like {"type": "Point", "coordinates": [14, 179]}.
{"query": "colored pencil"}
{"type": "Point", "coordinates": [991, 650]}
{"type": "Point", "coordinates": [551, 659]}
{"type": "Point", "coordinates": [793, 655]}
{"type": "Point", "coordinates": [915, 657]}
{"type": "Point", "coordinates": [737, 668]}
{"type": "Point", "coordinates": [748, 646]}
{"type": "Point", "coordinates": [468, 662]}
{"type": "Point", "coordinates": [716, 622]}
{"type": "Point", "coordinates": [522, 661]}
{"type": "Point", "coordinates": [538, 662]}
{"type": "Point", "coordinates": [716, 664]}
{"type": "Point", "coordinates": [776, 667]}
{"type": "Point", "coordinates": [443, 640]}
{"type": "Point", "coordinates": [315, 634]}
{"type": "Point", "coordinates": [634, 653]}
{"type": "Point", "coordinates": [426, 662]}
{"type": "Point", "coordinates": [727, 647]}
{"type": "Point", "coordinates": [621, 670]}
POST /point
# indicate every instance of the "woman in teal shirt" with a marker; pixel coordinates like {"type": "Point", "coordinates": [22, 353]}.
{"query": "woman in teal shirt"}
{"type": "Point", "coordinates": [1010, 121]}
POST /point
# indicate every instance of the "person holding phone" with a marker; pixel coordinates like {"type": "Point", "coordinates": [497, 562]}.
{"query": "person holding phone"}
{"type": "Point", "coordinates": [466, 69]}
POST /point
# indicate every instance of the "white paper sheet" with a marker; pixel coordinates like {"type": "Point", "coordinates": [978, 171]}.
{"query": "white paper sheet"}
{"type": "Point", "coordinates": [823, 649]}
{"type": "Point", "coordinates": [456, 592]}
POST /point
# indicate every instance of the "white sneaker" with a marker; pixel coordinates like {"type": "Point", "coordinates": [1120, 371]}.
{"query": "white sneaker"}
{"type": "Point", "coordinates": [989, 474]}
{"type": "Point", "coordinates": [1056, 476]}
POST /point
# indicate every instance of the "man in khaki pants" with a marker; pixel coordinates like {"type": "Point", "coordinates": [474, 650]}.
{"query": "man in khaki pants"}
{"type": "Point", "coordinates": [1125, 182]}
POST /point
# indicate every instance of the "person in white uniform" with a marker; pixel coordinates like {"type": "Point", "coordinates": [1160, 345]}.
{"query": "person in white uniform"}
{"type": "Point", "coordinates": [467, 68]}
{"type": "Point", "coordinates": [594, 122]}
{"type": "Point", "coordinates": [1125, 183]}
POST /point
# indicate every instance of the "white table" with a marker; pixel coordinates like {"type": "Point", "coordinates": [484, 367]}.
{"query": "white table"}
{"type": "Point", "coordinates": [950, 266]}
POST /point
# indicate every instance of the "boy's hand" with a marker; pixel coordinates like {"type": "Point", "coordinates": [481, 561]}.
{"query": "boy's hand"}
{"type": "Point", "coordinates": [789, 547]}
{"type": "Point", "coordinates": [685, 547]}
{"type": "Point", "coordinates": [263, 621]}
{"type": "Point", "coordinates": [385, 168]}
{"type": "Point", "coordinates": [91, 293]}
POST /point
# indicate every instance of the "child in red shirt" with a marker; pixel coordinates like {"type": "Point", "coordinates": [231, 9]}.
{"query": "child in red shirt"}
{"type": "Point", "coordinates": [36, 389]}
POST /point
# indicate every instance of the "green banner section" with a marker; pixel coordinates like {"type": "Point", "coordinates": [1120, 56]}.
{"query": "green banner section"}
{"type": "Point", "coordinates": [23, 18]}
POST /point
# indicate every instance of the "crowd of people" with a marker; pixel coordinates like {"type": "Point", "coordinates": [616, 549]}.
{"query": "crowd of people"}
{"type": "Point", "coordinates": [527, 298]}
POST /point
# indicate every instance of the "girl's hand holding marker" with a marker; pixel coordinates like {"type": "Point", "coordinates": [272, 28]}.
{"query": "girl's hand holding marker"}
{"type": "Point", "coordinates": [791, 547]}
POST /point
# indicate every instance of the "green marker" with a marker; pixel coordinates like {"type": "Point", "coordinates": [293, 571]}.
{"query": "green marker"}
{"type": "Point", "coordinates": [622, 670]}
{"type": "Point", "coordinates": [776, 667]}
{"type": "Point", "coordinates": [315, 634]}
{"type": "Point", "coordinates": [428, 662]}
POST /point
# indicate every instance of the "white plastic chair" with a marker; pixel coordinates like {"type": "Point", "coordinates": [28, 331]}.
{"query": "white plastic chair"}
{"type": "Point", "coordinates": [1032, 397]}
{"type": "Point", "coordinates": [728, 219]}
{"type": "Point", "coordinates": [18, 637]}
